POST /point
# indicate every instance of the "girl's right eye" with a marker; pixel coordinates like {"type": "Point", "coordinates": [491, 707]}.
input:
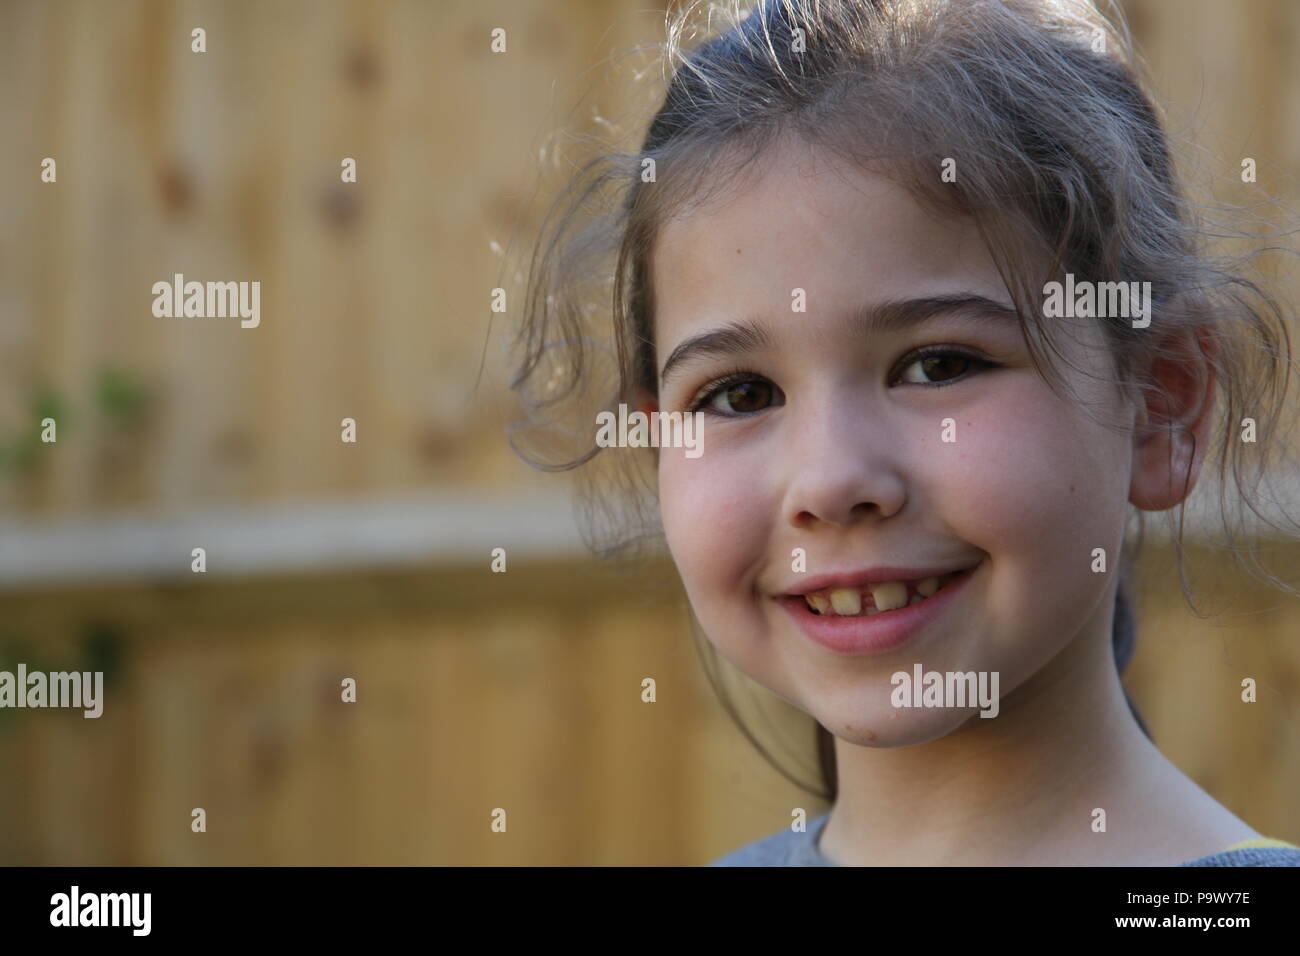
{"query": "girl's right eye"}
{"type": "Point", "coordinates": [743, 394]}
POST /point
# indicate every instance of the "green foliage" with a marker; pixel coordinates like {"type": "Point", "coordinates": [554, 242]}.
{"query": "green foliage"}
{"type": "Point", "coordinates": [120, 397]}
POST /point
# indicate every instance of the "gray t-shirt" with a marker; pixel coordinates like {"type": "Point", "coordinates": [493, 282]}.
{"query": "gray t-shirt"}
{"type": "Point", "coordinates": [787, 848]}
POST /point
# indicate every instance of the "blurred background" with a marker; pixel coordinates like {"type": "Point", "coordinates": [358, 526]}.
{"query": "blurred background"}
{"type": "Point", "coordinates": [371, 560]}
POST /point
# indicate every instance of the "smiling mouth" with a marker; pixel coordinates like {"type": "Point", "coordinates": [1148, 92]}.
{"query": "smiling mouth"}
{"type": "Point", "coordinates": [870, 600]}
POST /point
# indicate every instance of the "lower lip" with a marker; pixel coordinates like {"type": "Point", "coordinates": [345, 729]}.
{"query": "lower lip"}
{"type": "Point", "coordinates": [879, 633]}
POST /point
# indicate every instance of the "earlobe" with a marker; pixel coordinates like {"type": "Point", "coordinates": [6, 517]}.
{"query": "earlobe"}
{"type": "Point", "coordinates": [1165, 469]}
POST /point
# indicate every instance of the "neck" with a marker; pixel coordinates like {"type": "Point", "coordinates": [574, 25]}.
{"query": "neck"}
{"type": "Point", "coordinates": [1020, 788]}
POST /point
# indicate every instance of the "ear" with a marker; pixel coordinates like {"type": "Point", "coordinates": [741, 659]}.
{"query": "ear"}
{"type": "Point", "coordinates": [1174, 418]}
{"type": "Point", "coordinates": [643, 401]}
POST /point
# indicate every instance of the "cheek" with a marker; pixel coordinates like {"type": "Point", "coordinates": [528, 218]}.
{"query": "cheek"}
{"type": "Point", "coordinates": [714, 519]}
{"type": "Point", "coordinates": [1036, 473]}
{"type": "Point", "coordinates": [1039, 486]}
{"type": "Point", "coordinates": [717, 519]}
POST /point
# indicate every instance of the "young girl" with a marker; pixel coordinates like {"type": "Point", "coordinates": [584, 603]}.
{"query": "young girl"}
{"type": "Point", "coordinates": [838, 244]}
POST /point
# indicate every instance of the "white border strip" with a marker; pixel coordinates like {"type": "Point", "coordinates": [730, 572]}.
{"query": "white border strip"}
{"type": "Point", "coordinates": [246, 540]}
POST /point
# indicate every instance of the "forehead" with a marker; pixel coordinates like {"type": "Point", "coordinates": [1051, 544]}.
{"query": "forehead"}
{"type": "Point", "coordinates": [801, 218]}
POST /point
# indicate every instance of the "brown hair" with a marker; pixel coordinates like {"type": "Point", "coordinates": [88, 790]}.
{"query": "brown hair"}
{"type": "Point", "coordinates": [1061, 157]}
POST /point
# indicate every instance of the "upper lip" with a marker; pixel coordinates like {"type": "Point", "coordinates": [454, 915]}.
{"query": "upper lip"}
{"type": "Point", "coordinates": [869, 576]}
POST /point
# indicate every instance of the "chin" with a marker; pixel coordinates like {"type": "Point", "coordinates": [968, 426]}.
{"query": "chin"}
{"type": "Point", "coordinates": [891, 727]}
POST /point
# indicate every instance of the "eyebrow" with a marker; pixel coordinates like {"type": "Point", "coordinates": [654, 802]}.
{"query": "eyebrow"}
{"type": "Point", "coordinates": [746, 336]}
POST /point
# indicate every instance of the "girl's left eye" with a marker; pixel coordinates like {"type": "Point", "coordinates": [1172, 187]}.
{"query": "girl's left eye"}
{"type": "Point", "coordinates": [947, 364]}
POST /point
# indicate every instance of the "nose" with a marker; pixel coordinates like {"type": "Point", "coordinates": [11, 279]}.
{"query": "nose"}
{"type": "Point", "coordinates": [846, 467]}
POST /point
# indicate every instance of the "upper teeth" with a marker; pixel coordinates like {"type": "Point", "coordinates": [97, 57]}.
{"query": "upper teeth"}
{"type": "Point", "coordinates": [846, 601]}
{"type": "Point", "coordinates": [885, 596]}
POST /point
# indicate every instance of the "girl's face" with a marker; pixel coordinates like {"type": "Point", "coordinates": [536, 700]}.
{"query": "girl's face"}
{"type": "Point", "coordinates": [831, 440]}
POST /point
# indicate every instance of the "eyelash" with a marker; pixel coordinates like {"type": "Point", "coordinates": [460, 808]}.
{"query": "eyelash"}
{"type": "Point", "coordinates": [737, 375]}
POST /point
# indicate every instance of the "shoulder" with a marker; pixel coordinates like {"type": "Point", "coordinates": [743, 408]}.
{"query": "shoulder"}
{"type": "Point", "coordinates": [1263, 852]}
{"type": "Point", "coordinates": [785, 847]}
